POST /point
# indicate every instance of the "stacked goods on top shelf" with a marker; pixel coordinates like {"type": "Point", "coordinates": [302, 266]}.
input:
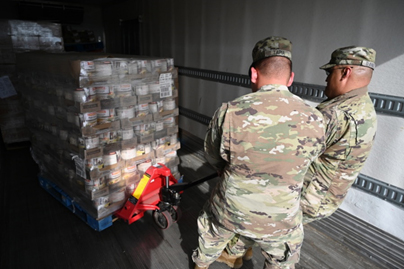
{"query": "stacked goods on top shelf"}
{"type": "Point", "coordinates": [99, 122]}
{"type": "Point", "coordinates": [18, 36]}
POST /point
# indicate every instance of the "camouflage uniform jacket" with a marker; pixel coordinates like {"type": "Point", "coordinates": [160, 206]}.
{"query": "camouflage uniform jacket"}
{"type": "Point", "coordinates": [263, 142]}
{"type": "Point", "coordinates": [351, 126]}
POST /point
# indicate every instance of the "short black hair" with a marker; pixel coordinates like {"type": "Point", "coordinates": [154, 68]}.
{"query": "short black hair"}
{"type": "Point", "coordinates": [275, 66]}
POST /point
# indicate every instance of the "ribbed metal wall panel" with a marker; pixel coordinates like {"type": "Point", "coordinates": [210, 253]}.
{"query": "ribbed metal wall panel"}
{"type": "Point", "coordinates": [386, 104]}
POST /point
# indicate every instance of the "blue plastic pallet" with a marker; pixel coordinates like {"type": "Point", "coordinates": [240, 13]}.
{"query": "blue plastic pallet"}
{"type": "Point", "coordinates": [68, 202]}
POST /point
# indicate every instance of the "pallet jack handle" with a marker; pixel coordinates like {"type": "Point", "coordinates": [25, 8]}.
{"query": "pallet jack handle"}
{"type": "Point", "coordinates": [183, 186]}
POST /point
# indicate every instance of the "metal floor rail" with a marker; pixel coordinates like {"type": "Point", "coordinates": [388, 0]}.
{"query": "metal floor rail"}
{"type": "Point", "coordinates": [354, 233]}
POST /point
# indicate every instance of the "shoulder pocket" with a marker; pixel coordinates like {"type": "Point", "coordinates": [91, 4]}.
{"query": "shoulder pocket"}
{"type": "Point", "coordinates": [353, 135]}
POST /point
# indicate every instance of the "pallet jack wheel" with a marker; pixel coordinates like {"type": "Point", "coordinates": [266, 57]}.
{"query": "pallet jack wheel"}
{"type": "Point", "coordinates": [176, 213]}
{"type": "Point", "coordinates": [163, 219]}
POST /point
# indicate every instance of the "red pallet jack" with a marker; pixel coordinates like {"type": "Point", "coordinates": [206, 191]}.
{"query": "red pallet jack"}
{"type": "Point", "coordinates": [158, 190]}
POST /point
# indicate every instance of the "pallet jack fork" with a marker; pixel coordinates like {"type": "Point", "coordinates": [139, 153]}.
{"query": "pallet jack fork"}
{"type": "Point", "coordinates": [160, 191]}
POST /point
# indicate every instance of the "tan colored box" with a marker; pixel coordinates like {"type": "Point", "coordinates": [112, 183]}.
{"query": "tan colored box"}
{"type": "Point", "coordinates": [161, 152]}
{"type": "Point", "coordinates": [128, 123]}
{"type": "Point", "coordinates": [86, 154]}
{"type": "Point", "coordinates": [130, 143]}
{"type": "Point", "coordinates": [105, 127]}
{"type": "Point", "coordinates": [10, 107]}
{"type": "Point", "coordinates": [167, 113]}
{"type": "Point", "coordinates": [15, 135]}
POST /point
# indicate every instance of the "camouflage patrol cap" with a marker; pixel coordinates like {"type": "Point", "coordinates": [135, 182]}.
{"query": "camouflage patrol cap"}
{"type": "Point", "coordinates": [352, 55]}
{"type": "Point", "coordinates": [272, 46]}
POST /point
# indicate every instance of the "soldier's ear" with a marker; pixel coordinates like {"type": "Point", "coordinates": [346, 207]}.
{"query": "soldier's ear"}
{"type": "Point", "coordinates": [254, 75]}
{"type": "Point", "coordinates": [292, 76]}
{"type": "Point", "coordinates": [346, 72]}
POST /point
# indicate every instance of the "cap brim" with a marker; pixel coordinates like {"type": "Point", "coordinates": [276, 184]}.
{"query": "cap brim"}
{"type": "Point", "coordinates": [327, 66]}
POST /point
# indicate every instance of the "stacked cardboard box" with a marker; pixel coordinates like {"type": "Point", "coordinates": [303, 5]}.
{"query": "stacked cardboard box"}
{"type": "Point", "coordinates": [21, 36]}
{"type": "Point", "coordinates": [99, 122]}
{"type": "Point", "coordinates": [12, 121]}
{"type": "Point", "coordinates": [18, 36]}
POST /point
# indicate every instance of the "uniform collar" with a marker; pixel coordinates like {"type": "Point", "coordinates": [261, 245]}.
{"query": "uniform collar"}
{"type": "Point", "coordinates": [270, 87]}
{"type": "Point", "coordinates": [353, 93]}
{"type": "Point", "coordinates": [356, 92]}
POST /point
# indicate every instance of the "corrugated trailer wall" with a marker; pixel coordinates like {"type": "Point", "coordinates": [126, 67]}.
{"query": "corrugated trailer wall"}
{"type": "Point", "coordinates": [219, 35]}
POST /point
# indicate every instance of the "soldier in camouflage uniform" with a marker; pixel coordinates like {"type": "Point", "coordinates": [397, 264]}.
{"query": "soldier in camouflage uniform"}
{"type": "Point", "coordinates": [261, 144]}
{"type": "Point", "coordinates": [351, 126]}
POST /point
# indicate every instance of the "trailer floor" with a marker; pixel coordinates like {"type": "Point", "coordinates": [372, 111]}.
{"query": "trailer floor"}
{"type": "Point", "coordinates": [39, 232]}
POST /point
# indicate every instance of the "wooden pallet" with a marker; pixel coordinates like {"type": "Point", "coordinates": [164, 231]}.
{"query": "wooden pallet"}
{"type": "Point", "coordinates": [17, 145]}
{"type": "Point", "coordinates": [68, 202]}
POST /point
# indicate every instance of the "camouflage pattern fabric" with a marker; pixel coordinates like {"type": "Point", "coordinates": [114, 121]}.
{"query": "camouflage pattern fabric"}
{"type": "Point", "coordinates": [352, 55]}
{"type": "Point", "coordinates": [272, 46]}
{"type": "Point", "coordinates": [351, 127]}
{"type": "Point", "coordinates": [279, 252]}
{"type": "Point", "coordinates": [213, 238]}
{"type": "Point", "coordinates": [263, 143]}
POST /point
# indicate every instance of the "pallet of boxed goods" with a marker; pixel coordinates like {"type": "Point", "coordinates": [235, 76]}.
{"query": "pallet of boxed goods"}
{"type": "Point", "coordinates": [98, 122]}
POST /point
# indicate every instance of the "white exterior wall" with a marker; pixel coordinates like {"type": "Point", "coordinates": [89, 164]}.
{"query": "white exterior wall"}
{"type": "Point", "coordinates": [219, 35]}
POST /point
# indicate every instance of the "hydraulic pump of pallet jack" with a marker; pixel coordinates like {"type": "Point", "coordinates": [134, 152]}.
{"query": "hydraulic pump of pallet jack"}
{"type": "Point", "coordinates": [151, 175]}
{"type": "Point", "coordinates": [152, 193]}
{"type": "Point", "coordinates": [158, 190]}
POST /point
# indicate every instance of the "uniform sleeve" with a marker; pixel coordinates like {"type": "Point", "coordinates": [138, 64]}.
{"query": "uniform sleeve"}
{"type": "Point", "coordinates": [327, 181]}
{"type": "Point", "coordinates": [213, 139]}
